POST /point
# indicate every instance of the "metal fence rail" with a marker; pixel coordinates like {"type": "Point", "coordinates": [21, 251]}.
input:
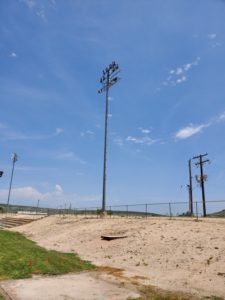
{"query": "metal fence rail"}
{"type": "Point", "coordinates": [167, 209]}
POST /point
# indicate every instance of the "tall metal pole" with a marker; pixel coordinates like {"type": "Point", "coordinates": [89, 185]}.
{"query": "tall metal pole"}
{"type": "Point", "coordinates": [190, 189]}
{"type": "Point", "coordinates": [105, 143]}
{"type": "Point", "coordinates": [14, 160]}
{"type": "Point", "coordinates": [108, 79]}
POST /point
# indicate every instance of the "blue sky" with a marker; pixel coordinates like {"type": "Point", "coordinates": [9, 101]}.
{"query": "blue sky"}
{"type": "Point", "coordinates": [168, 106]}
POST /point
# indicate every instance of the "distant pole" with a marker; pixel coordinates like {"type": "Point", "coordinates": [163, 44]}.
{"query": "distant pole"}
{"type": "Point", "coordinates": [14, 160]}
{"type": "Point", "coordinates": [108, 79]}
{"type": "Point", "coordinates": [37, 206]}
{"type": "Point", "coordinates": [190, 189]}
{"type": "Point", "coordinates": [201, 163]}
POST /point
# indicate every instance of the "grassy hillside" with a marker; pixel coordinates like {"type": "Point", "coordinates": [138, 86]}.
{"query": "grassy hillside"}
{"type": "Point", "coordinates": [20, 258]}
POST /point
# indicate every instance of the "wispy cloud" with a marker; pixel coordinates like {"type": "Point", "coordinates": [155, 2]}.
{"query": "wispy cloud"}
{"type": "Point", "coordinates": [191, 129]}
{"type": "Point", "coordinates": [41, 13]}
{"type": "Point", "coordinates": [9, 134]}
{"type": "Point", "coordinates": [142, 139]}
{"type": "Point", "coordinates": [179, 74]}
{"type": "Point", "coordinates": [146, 140]}
{"type": "Point", "coordinates": [31, 193]}
{"type": "Point", "coordinates": [30, 3]}
{"type": "Point", "coordinates": [53, 197]}
{"type": "Point", "coordinates": [13, 55]}
{"type": "Point", "coordinates": [88, 134]}
{"type": "Point", "coordinates": [70, 156]}
{"type": "Point", "coordinates": [144, 130]}
{"type": "Point", "coordinates": [212, 36]}
{"type": "Point", "coordinates": [40, 8]}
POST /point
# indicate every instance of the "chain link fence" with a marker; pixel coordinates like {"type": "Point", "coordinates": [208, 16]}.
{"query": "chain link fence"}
{"type": "Point", "coordinates": [168, 209]}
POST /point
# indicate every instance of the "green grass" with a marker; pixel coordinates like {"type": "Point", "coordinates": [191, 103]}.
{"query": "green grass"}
{"type": "Point", "coordinates": [154, 293]}
{"type": "Point", "coordinates": [20, 258]}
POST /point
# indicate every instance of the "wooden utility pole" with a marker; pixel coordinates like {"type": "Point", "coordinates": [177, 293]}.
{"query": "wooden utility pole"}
{"type": "Point", "coordinates": [202, 178]}
{"type": "Point", "coordinates": [190, 189]}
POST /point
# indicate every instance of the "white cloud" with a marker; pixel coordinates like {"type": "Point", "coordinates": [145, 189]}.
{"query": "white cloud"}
{"type": "Point", "coordinates": [58, 189]}
{"type": "Point", "coordinates": [30, 3]}
{"type": "Point", "coordinates": [182, 79]}
{"type": "Point", "coordinates": [88, 133]}
{"type": "Point", "coordinates": [27, 192]}
{"type": "Point", "coordinates": [118, 141]}
{"type": "Point", "coordinates": [179, 75]}
{"type": "Point", "coordinates": [222, 117]}
{"type": "Point", "coordinates": [190, 130]}
{"type": "Point", "coordinates": [59, 131]}
{"type": "Point", "coordinates": [8, 134]}
{"type": "Point", "coordinates": [31, 193]}
{"type": "Point", "coordinates": [70, 156]}
{"type": "Point", "coordinates": [179, 71]}
{"type": "Point", "coordinates": [212, 36]}
{"type": "Point", "coordinates": [143, 140]}
{"type": "Point", "coordinates": [13, 55]}
{"type": "Point", "coordinates": [41, 13]}
{"type": "Point", "coordinates": [144, 130]}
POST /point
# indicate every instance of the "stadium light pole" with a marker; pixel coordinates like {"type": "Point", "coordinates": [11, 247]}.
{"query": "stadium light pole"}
{"type": "Point", "coordinates": [14, 160]}
{"type": "Point", "coordinates": [108, 79]}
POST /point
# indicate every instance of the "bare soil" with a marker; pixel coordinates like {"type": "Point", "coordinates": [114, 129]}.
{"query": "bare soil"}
{"type": "Point", "coordinates": [177, 255]}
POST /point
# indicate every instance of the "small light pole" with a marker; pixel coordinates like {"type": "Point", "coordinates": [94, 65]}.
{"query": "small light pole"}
{"type": "Point", "coordinates": [108, 79]}
{"type": "Point", "coordinates": [14, 160]}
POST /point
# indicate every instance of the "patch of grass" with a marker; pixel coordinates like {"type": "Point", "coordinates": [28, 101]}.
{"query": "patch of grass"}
{"type": "Point", "coordinates": [213, 298]}
{"type": "Point", "coordinates": [2, 298]}
{"type": "Point", "coordinates": [20, 258]}
{"type": "Point", "coordinates": [153, 293]}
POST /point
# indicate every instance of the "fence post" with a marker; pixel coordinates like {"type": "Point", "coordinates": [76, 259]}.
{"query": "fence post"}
{"type": "Point", "coordinates": [127, 210]}
{"type": "Point", "coordinates": [146, 210]}
{"type": "Point", "coordinates": [170, 210]}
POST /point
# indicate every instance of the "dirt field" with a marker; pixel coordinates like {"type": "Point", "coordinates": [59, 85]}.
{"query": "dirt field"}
{"type": "Point", "coordinates": [178, 255]}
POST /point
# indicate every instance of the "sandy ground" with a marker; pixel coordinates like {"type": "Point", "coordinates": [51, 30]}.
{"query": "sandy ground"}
{"type": "Point", "coordinates": [80, 286]}
{"type": "Point", "coordinates": [178, 254]}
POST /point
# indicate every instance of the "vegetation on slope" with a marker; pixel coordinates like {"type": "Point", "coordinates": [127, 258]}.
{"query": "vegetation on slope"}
{"type": "Point", "coordinates": [20, 258]}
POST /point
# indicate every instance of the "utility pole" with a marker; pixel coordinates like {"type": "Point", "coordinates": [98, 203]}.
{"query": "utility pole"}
{"type": "Point", "coordinates": [14, 160]}
{"type": "Point", "coordinates": [37, 206]}
{"type": "Point", "coordinates": [202, 178]}
{"type": "Point", "coordinates": [108, 79]}
{"type": "Point", "coordinates": [190, 190]}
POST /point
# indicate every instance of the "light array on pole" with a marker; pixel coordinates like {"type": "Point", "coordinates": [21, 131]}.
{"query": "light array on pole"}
{"type": "Point", "coordinates": [108, 79]}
